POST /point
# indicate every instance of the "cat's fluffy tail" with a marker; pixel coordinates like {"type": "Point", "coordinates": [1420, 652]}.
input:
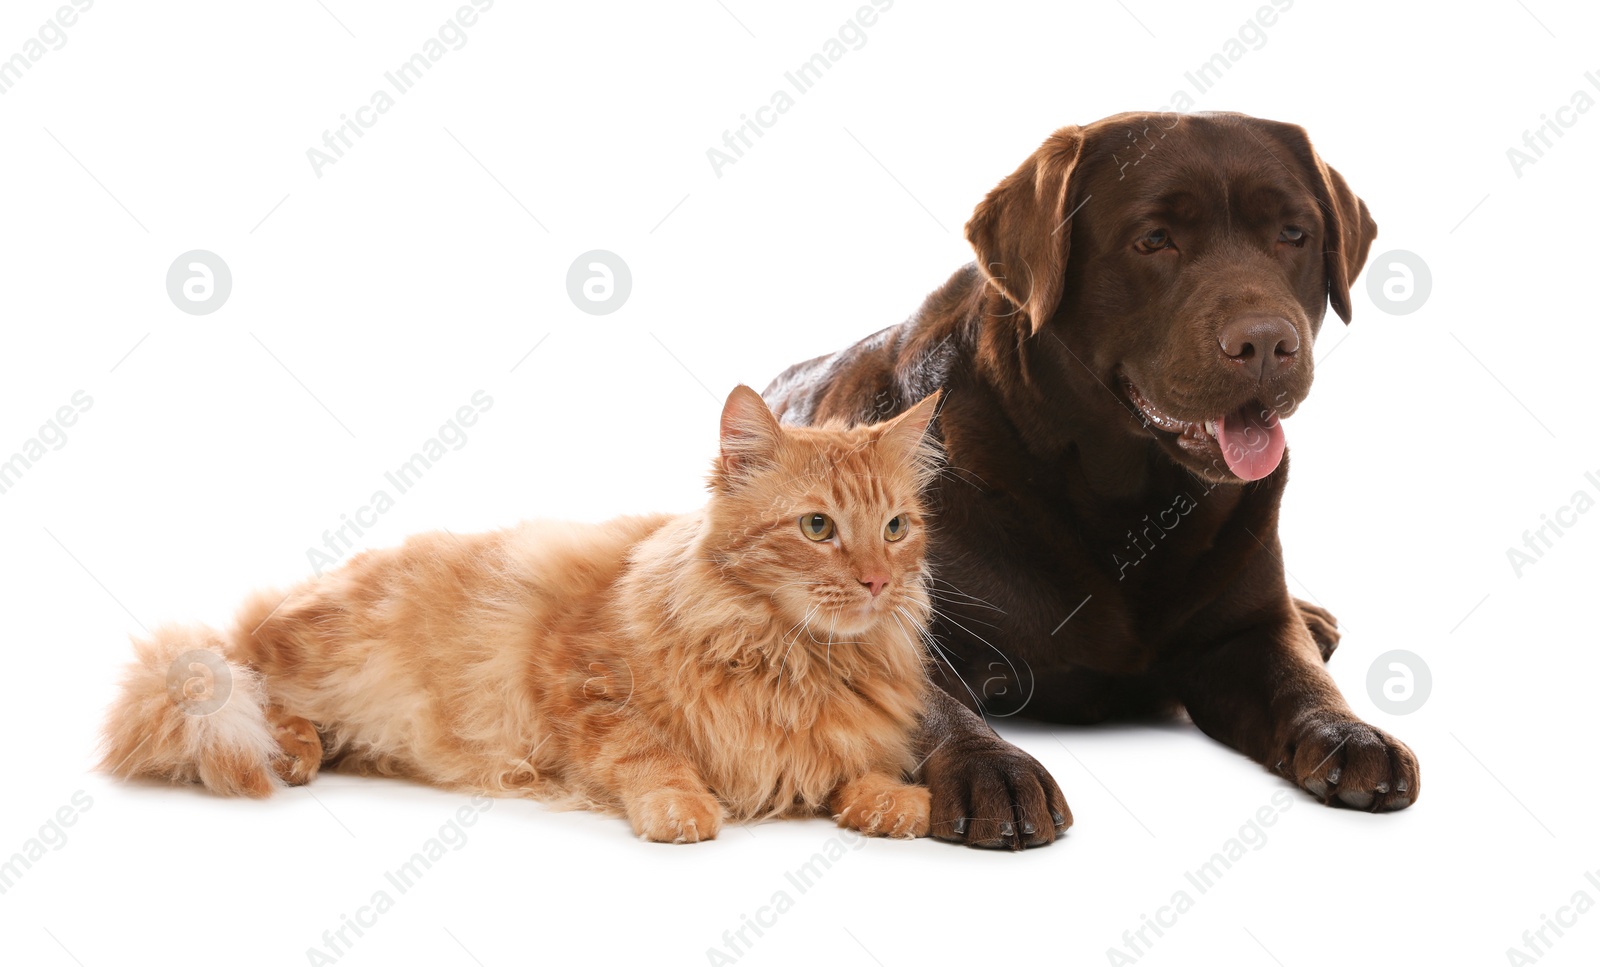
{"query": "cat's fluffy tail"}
{"type": "Point", "coordinates": [187, 713]}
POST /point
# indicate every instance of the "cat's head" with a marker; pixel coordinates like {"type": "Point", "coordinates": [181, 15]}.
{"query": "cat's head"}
{"type": "Point", "coordinates": [827, 520]}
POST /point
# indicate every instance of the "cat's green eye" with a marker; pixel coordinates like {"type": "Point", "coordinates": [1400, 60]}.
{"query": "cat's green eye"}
{"type": "Point", "coordinates": [896, 529]}
{"type": "Point", "coordinates": [816, 527]}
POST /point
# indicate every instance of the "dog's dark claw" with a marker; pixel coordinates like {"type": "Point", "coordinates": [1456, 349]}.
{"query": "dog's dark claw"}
{"type": "Point", "coordinates": [984, 791]}
{"type": "Point", "coordinates": [1373, 771]}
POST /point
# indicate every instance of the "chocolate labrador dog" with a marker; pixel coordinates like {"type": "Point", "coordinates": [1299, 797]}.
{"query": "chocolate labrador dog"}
{"type": "Point", "coordinates": [1114, 369]}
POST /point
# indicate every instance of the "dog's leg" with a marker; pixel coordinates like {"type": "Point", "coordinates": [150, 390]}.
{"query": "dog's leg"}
{"type": "Point", "coordinates": [1324, 627]}
{"type": "Point", "coordinates": [1267, 694]}
{"type": "Point", "coordinates": [986, 792]}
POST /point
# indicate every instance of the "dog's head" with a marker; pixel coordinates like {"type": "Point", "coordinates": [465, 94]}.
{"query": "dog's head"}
{"type": "Point", "coordinates": [1184, 263]}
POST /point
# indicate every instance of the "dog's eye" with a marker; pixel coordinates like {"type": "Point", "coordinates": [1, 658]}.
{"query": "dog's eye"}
{"type": "Point", "coordinates": [816, 527]}
{"type": "Point", "coordinates": [1153, 241]}
{"type": "Point", "coordinates": [1292, 235]}
{"type": "Point", "coordinates": [896, 529]}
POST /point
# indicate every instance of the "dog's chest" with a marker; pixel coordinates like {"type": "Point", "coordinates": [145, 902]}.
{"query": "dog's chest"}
{"type": "Point", "coordinates": [1067, 581]}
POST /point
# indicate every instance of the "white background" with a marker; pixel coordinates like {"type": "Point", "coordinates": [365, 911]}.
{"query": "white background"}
{"type": "Point", "coordinates": [368, 304]}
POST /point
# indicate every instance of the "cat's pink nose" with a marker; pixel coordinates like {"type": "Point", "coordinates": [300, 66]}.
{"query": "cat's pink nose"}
{"type": "Point", "coordinates": [874, 582]}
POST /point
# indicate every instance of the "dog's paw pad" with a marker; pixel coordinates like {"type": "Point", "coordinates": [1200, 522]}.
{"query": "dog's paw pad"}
{"type": "Point", "coordinates": [1346, 762]}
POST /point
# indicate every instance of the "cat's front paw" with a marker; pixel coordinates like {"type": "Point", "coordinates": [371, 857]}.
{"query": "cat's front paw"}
{"type": "Point", "coordinates": [882, 806]}
{"type": "Point", "coordinates": [676, 816]}
{"type": "Point", "coordinates": [299, 749]}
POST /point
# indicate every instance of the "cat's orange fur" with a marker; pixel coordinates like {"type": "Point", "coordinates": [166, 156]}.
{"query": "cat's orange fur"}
{"type": "Point", "coordinates": [678, 670]}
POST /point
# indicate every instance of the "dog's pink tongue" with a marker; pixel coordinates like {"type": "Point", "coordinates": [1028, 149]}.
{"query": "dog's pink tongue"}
{"type": "Point", "coordinates": [1252, 441]}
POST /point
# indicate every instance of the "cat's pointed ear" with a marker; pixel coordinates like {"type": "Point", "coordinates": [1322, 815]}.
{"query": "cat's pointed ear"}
{"type": "Point", "coordinates": [907, 433]}
{"type": "Point", "coordinates": [750, 432]}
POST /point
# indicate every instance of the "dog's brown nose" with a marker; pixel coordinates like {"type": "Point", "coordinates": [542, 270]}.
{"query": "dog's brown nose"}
{"type": "Point", "coordinates": [1264, 345]}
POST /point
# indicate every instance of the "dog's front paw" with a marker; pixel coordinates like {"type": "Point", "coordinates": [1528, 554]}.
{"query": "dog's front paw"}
{"type": "Point", "coordinates": [882, 806]}
{"type": "Point", "coordinates": [1346, 762]}
{"type": "Point", "coordinates": [993, 795]}
{"type": "Point", "coordinates": [676, 816]}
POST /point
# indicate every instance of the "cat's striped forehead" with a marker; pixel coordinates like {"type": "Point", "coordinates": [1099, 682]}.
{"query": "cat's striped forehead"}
{"type": "Point", "coordinates": [854, 463]}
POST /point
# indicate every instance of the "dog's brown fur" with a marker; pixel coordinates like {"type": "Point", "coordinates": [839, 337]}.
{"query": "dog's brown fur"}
{"type": "Point", "coordinates": [1095, 565]}
{"type": "Point", "coordinates": [674, 669]}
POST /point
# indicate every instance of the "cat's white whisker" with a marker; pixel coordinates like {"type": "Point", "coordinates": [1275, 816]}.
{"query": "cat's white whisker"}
{"type": "Point", "coordinates": [783, 666]}
{"type": "Point", "coordinates": [804, 619]}
{"type": "Point", "coordinates": [949, 589]}
{"type": "Point", "coordinates": [938, 653]}
{"type": "Point", "coordinates": [947, 616]}
{"type": "Point", "coordinates": [937, 599]}
{"type": "Point", "coordinates": [1017, 676]}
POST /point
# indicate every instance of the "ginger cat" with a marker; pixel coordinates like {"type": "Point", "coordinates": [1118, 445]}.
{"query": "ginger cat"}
{"type": "Point", "coordinates": [762, 656]}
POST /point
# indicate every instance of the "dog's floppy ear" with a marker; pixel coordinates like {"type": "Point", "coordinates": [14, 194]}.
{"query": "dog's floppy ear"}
{"type": "Point", "coordinates": [1020, 229]}
{"type": "Point", "coordinates": [1350, 234]}
{"type": "Point", "coordinates": [1350, 228]}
